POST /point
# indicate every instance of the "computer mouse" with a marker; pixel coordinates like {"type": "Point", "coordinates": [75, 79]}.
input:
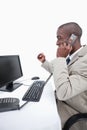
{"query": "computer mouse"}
{"type": "Point", "coordinates": [35, 78]}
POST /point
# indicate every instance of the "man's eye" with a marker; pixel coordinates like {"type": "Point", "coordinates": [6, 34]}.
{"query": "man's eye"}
{"type": "Point", "coordinates": [58, 37]}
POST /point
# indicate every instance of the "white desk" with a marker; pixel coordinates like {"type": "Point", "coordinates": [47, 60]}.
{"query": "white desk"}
{"type": "Point", "coordinates": [40, 115]}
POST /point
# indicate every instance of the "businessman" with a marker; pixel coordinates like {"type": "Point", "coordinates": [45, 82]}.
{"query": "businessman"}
{"type": "Point", "coordinates": [70, 78]}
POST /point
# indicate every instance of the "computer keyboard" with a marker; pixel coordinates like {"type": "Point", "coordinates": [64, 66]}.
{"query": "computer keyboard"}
{"type": "Point", "coordinates": [8, 104]}
{"type": "Point", "coordinates": [34, 92]}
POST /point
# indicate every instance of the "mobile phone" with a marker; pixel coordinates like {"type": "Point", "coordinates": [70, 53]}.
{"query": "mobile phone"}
{"type": "Point", "coordinates": [72, 39]}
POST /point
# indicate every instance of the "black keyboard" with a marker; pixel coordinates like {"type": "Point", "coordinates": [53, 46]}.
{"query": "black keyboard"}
{"type": "Point", "coordinates": [34, 92]}
{"type": "Point", "coordinates": [8, 104]}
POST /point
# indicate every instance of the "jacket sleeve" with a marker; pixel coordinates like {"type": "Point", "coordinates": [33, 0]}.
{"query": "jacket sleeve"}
{"type": "Point", "coordinates": [67, 86]}
{"type": "Point", "coordinates": [48, 66]}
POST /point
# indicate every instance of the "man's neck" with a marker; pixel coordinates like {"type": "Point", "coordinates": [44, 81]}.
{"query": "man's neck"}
{"type": "Point", "coordinates": [76, 48]}
{"type": "Point", "coordinates": [71, 56]}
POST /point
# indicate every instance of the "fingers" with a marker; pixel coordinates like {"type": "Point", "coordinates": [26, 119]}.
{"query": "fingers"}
{"type": "Point", "coordinates": [63, 50]}
{"type": "Point", "coordinates": [41, 57]}
{"type": "Point", "coordinates": [66, 46]}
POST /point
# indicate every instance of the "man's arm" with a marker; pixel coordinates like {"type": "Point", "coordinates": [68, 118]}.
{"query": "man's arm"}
{"type": "Point", "coordinates": [68, 86]}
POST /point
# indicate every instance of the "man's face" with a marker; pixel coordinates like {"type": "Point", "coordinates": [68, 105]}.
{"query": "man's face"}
{"type": "Point", "coordinates": [61, 36]}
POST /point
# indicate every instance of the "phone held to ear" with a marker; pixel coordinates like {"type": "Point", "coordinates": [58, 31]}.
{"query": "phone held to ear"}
{"type": "Point", "coordinates": [72, 39]}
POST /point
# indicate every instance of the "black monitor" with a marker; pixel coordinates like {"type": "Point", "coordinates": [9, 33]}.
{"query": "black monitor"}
{"type": "Point", "coordinates": [10, 70]}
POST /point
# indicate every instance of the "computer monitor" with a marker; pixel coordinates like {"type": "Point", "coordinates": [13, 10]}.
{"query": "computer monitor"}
{"type": "Point", "coordinates": [10, 70]}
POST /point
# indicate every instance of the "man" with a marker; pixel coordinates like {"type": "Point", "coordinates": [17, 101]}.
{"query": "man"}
{"type": "Point", "coordinates": [70, 80]}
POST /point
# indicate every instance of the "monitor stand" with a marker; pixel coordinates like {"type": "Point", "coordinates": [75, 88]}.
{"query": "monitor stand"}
{"type": "Point", "coordinates": [10, 87]}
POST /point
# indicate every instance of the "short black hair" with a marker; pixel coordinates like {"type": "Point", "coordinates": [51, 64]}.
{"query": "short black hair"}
{"type": "Point", "coordinates": [72, 28]}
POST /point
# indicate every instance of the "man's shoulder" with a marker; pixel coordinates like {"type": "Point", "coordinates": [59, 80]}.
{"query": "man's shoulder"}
{"type": "Point", "coordinates": [83, 51]}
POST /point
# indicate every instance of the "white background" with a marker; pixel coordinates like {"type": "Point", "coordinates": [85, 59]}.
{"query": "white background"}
{"type": "Point", "coordinates": [28, 27]}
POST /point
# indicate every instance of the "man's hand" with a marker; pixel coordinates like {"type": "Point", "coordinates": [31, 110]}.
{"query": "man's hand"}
{"type": "Point", "coordinates": [63, 50]}
{"type": "Point", "coordinates": [41, 57]}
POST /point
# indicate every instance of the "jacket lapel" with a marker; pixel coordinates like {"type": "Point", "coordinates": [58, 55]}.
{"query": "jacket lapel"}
{"type": "Point", "coordinates": [81, 53]}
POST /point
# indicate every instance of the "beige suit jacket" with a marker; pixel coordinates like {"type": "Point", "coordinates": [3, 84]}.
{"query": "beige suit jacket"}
{"type": "Point", "coordinates": [71, 81]}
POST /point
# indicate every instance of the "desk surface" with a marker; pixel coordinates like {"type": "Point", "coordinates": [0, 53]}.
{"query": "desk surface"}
{"type": "Point", "coordinates": [40, 115]}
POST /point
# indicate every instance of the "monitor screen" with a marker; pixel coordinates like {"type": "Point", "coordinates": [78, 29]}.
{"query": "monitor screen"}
{"type": "Point", "coordinates": [10, 70]}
